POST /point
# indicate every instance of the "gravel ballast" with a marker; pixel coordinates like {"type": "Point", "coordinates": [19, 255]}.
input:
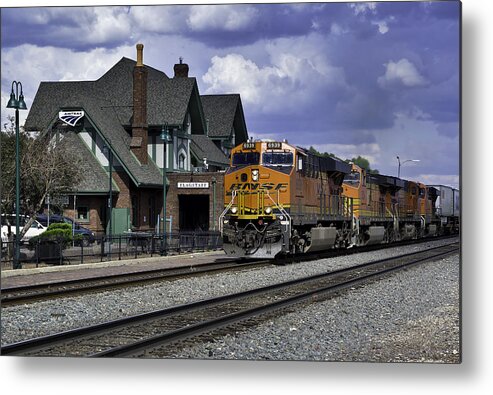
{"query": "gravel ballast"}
{"type": "Point", "coordinates": [410, 316]}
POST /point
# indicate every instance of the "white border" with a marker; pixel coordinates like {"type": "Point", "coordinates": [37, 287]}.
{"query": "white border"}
{"type": "Point", "coordinates": [79, 376]}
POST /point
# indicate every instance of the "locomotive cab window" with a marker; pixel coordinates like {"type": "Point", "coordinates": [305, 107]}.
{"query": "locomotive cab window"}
{"type": "Point", "coordinates": [421, 192]}
{"type": "Point", "coordinates": [246, 158]}
{"type": "Point", "coordinates": [352, 179]}
{"type": "Point", "coordinates": [278, 158]}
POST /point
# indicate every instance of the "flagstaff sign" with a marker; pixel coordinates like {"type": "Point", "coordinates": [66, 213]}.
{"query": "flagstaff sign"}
{"type": "Point", "coordinates": [193, 185]}
{"type": "Point", "coordinates": [70, 117]}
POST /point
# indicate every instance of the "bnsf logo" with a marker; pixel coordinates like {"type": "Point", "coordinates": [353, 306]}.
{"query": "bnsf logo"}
{"type": "Point", "coordinates": [253, 186]}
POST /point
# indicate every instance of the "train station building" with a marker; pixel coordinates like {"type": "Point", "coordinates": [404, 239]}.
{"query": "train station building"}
{"type": "Point", "coordinates": [126, 127]}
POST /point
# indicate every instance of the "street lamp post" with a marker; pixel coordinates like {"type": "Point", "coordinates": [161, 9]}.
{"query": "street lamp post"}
{"type": "Point", "coordinates": [107, 150]}
{"type": "Point", "coordinates": [401, 163]}
{"type": "Point", "coordinates": [166, 138]}
{"type": "Point", "coordinates": [17, 101]}
{"type": "Point", "coordinates": [214, 203]}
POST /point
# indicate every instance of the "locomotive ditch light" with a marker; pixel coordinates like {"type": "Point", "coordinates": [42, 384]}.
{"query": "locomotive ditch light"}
{"type": "Point", "coordinates": [255, 174]}
{"type": "Point", "coordinates": [234, 210]}
{"type": "Point", "coordinates": [268, 210]}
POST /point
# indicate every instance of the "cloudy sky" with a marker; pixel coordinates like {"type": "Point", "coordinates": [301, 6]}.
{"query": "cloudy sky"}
{"type": "Point", "coordinates": [377, 79]}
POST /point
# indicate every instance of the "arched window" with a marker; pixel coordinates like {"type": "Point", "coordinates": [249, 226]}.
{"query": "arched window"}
{"type": "Point", "coordinates": [181, 161]}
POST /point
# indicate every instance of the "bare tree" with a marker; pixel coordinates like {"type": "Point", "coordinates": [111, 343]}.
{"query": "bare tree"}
{"type": "Point", "coordinates": [48, 167]}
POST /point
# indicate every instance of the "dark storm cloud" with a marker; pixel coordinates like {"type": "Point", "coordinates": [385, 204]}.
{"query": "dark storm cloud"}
{"type": "Point", "coordinates": [379, 74]}
{"type": "Point", "coordinates": [77, 28]}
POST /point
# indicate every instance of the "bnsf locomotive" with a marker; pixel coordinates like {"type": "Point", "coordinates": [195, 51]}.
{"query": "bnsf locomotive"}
{"type": "Point", "coordinates": [285, 199]}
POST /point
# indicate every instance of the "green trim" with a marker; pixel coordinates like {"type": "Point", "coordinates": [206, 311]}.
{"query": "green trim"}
{"type": "Point", "coordinates": [161, 171]}
{"type": "Point", "coordinates": [138, 161]}
{"type": "Point", "coordinates": [105, 168]}
{"type": "Point", "coordinates": [97, 130]}
{"type": "Point", "coordinates": [154, 149]}
{"type": "Point", "coordinates": [171, 153]}
{"type": "Point", "coordinates": [183, 135]}
{"type": "Point", "coordinates": [93, 137]}
{"type": "Point", "coordinates": [106, 141]}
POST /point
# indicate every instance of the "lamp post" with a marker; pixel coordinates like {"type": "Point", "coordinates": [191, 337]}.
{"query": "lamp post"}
{"type": "Point", "coordinates": [165, 138]}
{"type": "Point", "coordinates": [213, 203]}
{"type": "Point", "coordinates": [401, 163]}
{"type": "Point", "coordinates": [17, 101]}
{"type": "Point", "coordinates": [107, 150]}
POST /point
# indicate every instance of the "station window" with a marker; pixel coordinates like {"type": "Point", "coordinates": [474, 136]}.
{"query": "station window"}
{"type": "Point", "coordinates": [83, 214]}
{"type": "Point", "coordinates": [181, 161]}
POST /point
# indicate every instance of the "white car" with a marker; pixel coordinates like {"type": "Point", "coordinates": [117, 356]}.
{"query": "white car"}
{"type": "Point", "coordinates": [35, 229]}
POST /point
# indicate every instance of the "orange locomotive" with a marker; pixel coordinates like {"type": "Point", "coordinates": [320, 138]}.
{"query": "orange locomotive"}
{"type": "Point", "coordinates": [388, 209]}
{"type": "Point", "coordinates": [285, 199]}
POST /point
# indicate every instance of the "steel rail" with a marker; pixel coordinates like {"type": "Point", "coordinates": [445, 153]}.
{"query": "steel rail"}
{"type": "Point", "coordinates": [36, 344]}
{"type": "Point", "coordinates": [31, 293]}
{"type": "Point", "coordinates": [207, 326]}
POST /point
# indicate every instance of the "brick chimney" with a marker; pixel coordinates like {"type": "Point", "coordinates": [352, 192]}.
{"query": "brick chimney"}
{"type": "Point", "coordinates": [138, 144]}
{"type": "Point", "coordinates": [181, 69]}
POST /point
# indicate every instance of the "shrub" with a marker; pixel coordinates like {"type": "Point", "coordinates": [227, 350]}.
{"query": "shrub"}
{"type": "Point", "coordinates": [58, 233]}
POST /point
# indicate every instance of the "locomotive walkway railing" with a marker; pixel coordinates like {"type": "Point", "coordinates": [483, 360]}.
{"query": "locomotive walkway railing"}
{"type": "Point", "coordinates": [106, 248]}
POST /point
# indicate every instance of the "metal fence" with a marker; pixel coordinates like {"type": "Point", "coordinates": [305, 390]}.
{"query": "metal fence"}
{"type": "Point", "coordinates": [109, 248]}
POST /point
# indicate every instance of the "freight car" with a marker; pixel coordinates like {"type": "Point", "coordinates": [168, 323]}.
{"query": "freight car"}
{"type": "Point", "coordinates": [447, 207]}
{"type": "Point", "coordinates": [282, 199]}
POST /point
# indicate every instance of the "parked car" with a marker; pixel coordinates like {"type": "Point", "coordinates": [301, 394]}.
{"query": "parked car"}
{"type": "Point", "coordinates": [36, 228]}
{"type": "Point", "coordinates": [88, 237]}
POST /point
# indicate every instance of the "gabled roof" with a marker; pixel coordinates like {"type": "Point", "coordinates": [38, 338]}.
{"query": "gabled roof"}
{"type": "Point", "coordinates": [53, 96]}
{"type": "Point", "coordinates": [108, 103]}
{"type": "Point", "coordinates": [94, 178]}
{"type": "Point", "coordinates": [167, 98]}
{"type": "Point", "coordinates": [203, 147]}
{"type": "Point", "coordinates": [223, 112]}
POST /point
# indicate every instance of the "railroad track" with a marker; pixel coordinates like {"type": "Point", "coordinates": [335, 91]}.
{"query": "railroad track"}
{"type": "Point", "coordinates": [155, 334]}
{"type": "Point", "coordinates": [32, 293]}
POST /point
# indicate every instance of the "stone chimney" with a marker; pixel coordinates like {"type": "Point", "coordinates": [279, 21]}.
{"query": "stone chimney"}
{"type": "Point", "coordinates": [181, 69]}
{"type": "Point", "coordinates": [138, 144]}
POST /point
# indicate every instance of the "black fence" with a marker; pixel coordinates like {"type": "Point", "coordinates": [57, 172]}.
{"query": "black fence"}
{"type": "Point", "coordinates": [109, 248]}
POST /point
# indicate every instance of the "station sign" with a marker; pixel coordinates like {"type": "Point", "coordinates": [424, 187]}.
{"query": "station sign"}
{"type": "Point", "coordinates": [70, 117]}
{"type": "Point", "coordinates": [193, 185]}
{"type": "Point", "coordinates": [61, 200]}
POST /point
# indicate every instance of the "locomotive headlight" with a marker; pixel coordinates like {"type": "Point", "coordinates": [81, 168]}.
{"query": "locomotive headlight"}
{"type": "Point", "coordinates": [234, 210]}
{"type": "Point", "coordinates": [268, 210]}
{"type": "Point", "coordinates": [254, 175]}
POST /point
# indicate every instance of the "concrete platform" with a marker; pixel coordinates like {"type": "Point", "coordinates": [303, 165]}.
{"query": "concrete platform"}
{"type": "Point", "coordinates": [50, 274]}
